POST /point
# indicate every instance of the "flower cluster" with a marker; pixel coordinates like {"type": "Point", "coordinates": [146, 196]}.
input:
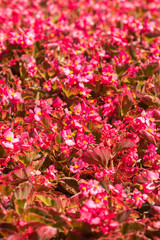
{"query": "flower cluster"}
{"type": "Point", "coordinates": [80, 119]}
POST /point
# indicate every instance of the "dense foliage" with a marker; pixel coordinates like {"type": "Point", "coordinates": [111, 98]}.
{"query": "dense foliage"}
{"type": "Point", "coordinates": [80, 119]}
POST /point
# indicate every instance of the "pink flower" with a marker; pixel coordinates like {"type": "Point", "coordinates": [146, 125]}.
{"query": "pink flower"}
{"type": "Point", "coordinates": [29, 38]}
{"type": "Point", "coordinates": [38, 113]}
{"type": "Point", "coordinates": [51, 172]}
{"type": "Point", "coordinates": [32, 69]}
{"type": "Point", "coordinates": [65, 151]}
{"type": "Point", "coordinates": [139, 198]}
{"type": "Point", "coordinates": [46, 86]}
{"type": "Point", "coordinates": [92, 187]}
{"type": "Point", "coordinates": [151, 176]}
{"type": "Point", "coordinates": [109, 76]}
{"type": "Point", "coordinates": [57, 103]}
{"type": "Point", "coordinates": [117, 190]}
{"type": "Point", "coordinates": [9, 139]}
{"type": "Point", "coordinates": [77, 166]}
{"type": "Point", "coordinates": [123, 58]}
{"type": "Point", "coordinates": [83, 140]}
{"type": "Point", "coordinates": [67, 137]}
{"type": "Point", "coordinates": [15, 96]}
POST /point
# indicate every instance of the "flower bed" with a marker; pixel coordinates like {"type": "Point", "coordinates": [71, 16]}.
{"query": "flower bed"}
{"type": "Point", "coordinates": [80, 119]}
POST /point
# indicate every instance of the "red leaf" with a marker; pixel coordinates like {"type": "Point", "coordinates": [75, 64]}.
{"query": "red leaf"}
{"type": "Point", "coordinates": [149, 137]}
{"type": "Point", "coordinates": [98, 156]}
{"type": "Point", "coordinates": [15, 237]}
{"type": "Point", "coordinates": [123, 215]}
{"type": "Point", "coordinates": [126, 102]}
{"type": "Point", "coordinates": [46, 232]}
{"type": "Point", "coordinates": [141, 178]}
{"type": "Point", "coordinates": [155, 210]}
{"type": "Point", "coordinates": [7, 229]}
{"type": "Point", "coordinates": [18, 175]}
{"type": "Point", "coordinates": [124, 144]}
{"type": "Point", "coordinates": [155, 91]}
{"type": "Point", "coordinates": [46, 120]}
{"type": "Point", "coordinates": [156, 114]}
{"type": "Point", "coordinates": [69, 184]}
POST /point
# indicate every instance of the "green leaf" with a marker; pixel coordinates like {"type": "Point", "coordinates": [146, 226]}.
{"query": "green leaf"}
{"type": "Point", "coordinates": [149, 70]}
{"type": "Point", "coordinates": [23, 72]}
{"type": "Point", "coordinates": [37, 210]}
{"type": "Point", "coordinates": [132, 227]}
{"type": "Point", "coordinates": [11, 216]}
{"type": "Point", "coordinates": [6, 189]}
{"type": "Point", "coordinates": [33, 217]}
{"type": "Point", "coordinates": [22, 191]}
{"type": "Point", "coordinates": [47, 121]}
{"type": "Point", "coordinates": [69, 91]}
{"type": "Point", "coordinates": [19, 205]}
{"type": "Point", "coordinates": [27, 158]}
{"type": "Point", "coordinates": [58, 139]}
{"type": "Point", "coordinates": [47, 200]}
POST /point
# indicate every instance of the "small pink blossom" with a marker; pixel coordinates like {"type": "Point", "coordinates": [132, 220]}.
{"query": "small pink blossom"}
{"type": "Point", "coordinates": [51, 172]}
{"type": "Point", "coordinates": [68, 138]}
{"type": "Point", "coordinates": [139, 198]}
{"type": "Point", "coordinates": [9, 139]}
{"type": "Point", "coordinates": [32, 68]}
{"type": "Point", "coordinates": [78, 165]}
{"type": "Point", "coordinates": [46, 86]}
{"type": "Point", "coordinates": [38, 113]}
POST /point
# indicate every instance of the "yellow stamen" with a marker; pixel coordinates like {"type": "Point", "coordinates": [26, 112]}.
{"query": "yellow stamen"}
{"type": "Point", "coordinates": [92, 111]}
{"type": "Point", "coordinates": [150, 130]}
{"type": "Point", "coordinates": [9, 138]}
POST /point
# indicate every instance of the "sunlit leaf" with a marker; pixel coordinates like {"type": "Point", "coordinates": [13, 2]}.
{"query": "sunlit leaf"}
{"type": "Point", "coordinates": [98, 156]}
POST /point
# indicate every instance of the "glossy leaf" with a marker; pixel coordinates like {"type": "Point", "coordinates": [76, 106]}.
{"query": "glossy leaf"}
{"type": "Point", "coordinates": [126, 103]}
{"type": "Point", "coordinates": [18, 175]}
{"type": "Point", "coordinates": [69, 184]}
{"type": "Point", "coordinates": [98, 156]}
{"type": "Point", "coordinates": [124, 144]}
